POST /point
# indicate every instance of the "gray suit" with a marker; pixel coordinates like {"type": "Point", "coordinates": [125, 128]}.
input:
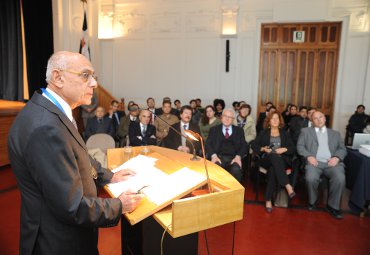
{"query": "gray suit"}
{"type": "Point", "coordinates": [307, 145]}
{"type": "Point", "coordinates": [60, 210]}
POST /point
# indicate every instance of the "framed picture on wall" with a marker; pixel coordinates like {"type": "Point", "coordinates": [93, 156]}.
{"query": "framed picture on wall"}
{"type": "Point", "coordinates": [298, 36]}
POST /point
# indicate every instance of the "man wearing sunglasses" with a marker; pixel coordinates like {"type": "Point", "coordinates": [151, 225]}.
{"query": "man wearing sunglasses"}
{"type": "Point", "coordinates": [60, 212]}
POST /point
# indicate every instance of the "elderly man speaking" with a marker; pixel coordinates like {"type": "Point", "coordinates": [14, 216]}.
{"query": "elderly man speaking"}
{"type": "Point", "coordinates": [60, 210]}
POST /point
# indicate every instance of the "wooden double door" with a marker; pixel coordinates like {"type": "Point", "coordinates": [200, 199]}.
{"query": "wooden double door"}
{"type": "Point", "coordinates": [302, 73]}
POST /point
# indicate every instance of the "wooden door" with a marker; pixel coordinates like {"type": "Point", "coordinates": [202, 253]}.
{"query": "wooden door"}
{"type": "Point", "coordinates": [300, 73]}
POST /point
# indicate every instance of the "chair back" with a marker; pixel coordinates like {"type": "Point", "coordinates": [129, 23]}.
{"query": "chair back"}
{"type": "Point", "coordinates": [101, 141]}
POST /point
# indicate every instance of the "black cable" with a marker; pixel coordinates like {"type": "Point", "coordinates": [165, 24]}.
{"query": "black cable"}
{"type": "Point", "coordinates": [205, 238]}
{"type": "Point", "coordinates": [232, 251]}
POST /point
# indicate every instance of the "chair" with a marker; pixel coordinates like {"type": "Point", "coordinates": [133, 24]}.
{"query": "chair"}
{"type": "Point", "coordinates": [101, 141]}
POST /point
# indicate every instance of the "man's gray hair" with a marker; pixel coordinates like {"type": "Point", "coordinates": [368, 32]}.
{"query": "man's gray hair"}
{"type": "Point", "coordinates": [228, 110]}
{"type": "Point", "coordinates": [57, 61]}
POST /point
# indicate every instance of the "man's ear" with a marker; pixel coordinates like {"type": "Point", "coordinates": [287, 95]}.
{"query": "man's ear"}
{"type": "Point", "coordinates": [57, 78]}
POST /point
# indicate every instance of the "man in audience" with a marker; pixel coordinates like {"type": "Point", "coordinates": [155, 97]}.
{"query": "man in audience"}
{"type": "Point", "coordinates": [324, 150]}
{"type": "Point", "coordinates": [199, 105]}
{"type": "Point", "coordinates": [310, 111]}
{"type": "Point", "coordinates": [114, 114]}
{"type": "Point", "coordinates": [180, 143]}
{"type": "Point", "coordinates": [177, 104]}
{"type": "Point", "coordinates": [226, 145]}
{"type": "Point", "coordinates": [196, 115]}
{"type": "Point", "coordinates": [236, 106]}
{"type": "Point", "coordinates": [174, 111]}
{"type": "Point", "coordinates": [99, 124]}
{"type": "Point", "coordinates": [125, 122]}
{"type": "Point", "coordinates": [262, 117]}
{"type": "Point", "coordinates": [356, 123]}
{"type": "Point", "coordinates": [142, 133]}
{"type": "Point", "coordinates": [160, 124]}
{"type": "Point", "coordinates": [151, 107]}
{"type": "Point", "coordinates": [297, 123]}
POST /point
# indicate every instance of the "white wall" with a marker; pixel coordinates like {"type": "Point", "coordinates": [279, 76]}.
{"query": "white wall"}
{"type": "Point", "coordinates": [174, 47]}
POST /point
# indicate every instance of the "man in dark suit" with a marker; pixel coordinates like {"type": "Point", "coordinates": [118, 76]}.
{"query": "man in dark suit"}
{"type": "Point", "coordinates": [114, 114]}
{"type": "Point", "coordinates": [175, 141]}
{"type": "Point", "coordinates": [99, 124]}
{"type": "Point", "coordinates": [60, 211]}
{"type": "Point", "coordinates": [262, 117]}
{"type": "Point", "coordinates": [142, 133]}
{"type": "Point", "coordinates": [324, 150]}
{"type": "Point", "coordinates": [125, 122]}
{"type": "Point", "coordinates": [226, 145]}
{"type": "Point", "coordinates": [297, 123]}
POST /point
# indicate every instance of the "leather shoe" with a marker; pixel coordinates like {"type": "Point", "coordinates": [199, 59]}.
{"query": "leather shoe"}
{"type": "Point", "coordinates": [291, 195]}
{"type": "Point", "coordinates": [269, 209]}
{"type": "Point", "coordinates": [335, 213]}
{"type": "Point", "coordinates": [311, 207]}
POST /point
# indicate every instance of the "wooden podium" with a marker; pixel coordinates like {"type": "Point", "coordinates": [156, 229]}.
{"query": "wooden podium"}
{"type": "Point", "coordinates": [186, 214]}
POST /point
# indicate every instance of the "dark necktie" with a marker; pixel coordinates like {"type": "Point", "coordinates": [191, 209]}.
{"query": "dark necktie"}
{"type": "Point", "coordinates": [185, 127]}
{"type": "Point", "coordinates": [227, 135]}
{"type": "Point", "coordinates": [144, 131]}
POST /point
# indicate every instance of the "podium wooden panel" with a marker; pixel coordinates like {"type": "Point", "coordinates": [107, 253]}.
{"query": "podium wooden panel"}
{"type": "Point", "coordinates": [189, 214]}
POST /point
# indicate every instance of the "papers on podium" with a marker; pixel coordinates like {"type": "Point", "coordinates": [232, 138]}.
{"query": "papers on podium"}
{"type": "Point", "coordinates": [159, 187]}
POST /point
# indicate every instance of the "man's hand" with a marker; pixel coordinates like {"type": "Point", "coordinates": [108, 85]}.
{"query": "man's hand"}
{"type": "Point", "coordinates": [184, 149]}
{"type": "Point", "coordinates": [130, 201]}
{"type": "Point", "coordinates": [215, 159]}
{"type": "Point", "coordinates": [237, 160]}
{"type": "Point", "coordinates": [312, 160]}
{"type": "Point", "coordinates": [122, 175]}
{"type": "Point", "coordinates": [333, 161]}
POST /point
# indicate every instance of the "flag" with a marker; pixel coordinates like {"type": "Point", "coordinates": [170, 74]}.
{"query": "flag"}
{"type": "Point", "coordinates": [84, 43]}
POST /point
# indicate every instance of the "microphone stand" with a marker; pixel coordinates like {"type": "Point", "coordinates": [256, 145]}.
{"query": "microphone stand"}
{"type": "Point", "coordinates": [194, 158]}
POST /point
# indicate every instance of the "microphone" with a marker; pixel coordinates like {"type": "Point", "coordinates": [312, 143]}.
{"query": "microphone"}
{"type": "Point", "coordinates": [181, 134]}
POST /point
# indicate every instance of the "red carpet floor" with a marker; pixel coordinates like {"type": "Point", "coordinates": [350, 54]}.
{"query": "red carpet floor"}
{"type": "Point", "coordinates": [284, 231]}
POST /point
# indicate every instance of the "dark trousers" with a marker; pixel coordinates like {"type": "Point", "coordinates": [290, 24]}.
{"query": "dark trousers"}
{"type": "Point", "coordinates": [275, 166]}
{"type": "Point", "coordinates": [234, 169]}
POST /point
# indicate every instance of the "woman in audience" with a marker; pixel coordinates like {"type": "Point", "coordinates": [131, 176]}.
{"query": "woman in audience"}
{"type": "Point", "coordinates": [356, 123]}
{"type": "Point", "coordinates": [219, 106]}
{"type": "Point", "coordinates": [208, 120]}
{"type": "Point", "coordinates": [245, 121]}
{"type": "Point", "coordinates": [276, 150]}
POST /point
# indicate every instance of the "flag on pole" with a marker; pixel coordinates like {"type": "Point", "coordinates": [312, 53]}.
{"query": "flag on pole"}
{"type": "Point", "coordinates": [84, 43]}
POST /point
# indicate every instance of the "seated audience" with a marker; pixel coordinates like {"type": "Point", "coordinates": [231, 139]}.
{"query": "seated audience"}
{"type": "Point", "coordinates": [245, 121]}
{"type": "Point", "coordinates": [151, 107]}
{"type": "Point", "coordinates": [276, 150]}
{"type": "Point", "coordinates": [292, 114]}
{"type": "Point", "coordinates": [114, 114]}
{"type": "Point", "coordinates": [196, 115]}
{"type": "Point", "coordinates": [160, 124]}
{"type": "Point", "coordinates": [199, 105]}
{"type": "Point", "coordinates": [174, 111]}
{"type": "Point", "coordinates": [99, 124]}
{"type": "Point", "coordinates": [125, 122]}
{"type": "Point", "coordinates": [176, 142]}
{"type": "Point", "coordinates": [226, 145]}
{"type": "Point", "coordinates": [219, 106]}
{"type": "Point", "coordinates": [236, 106]}
{"type": "Point", "coordinates": [356, 123]}
{"type": "Point", "coordinates": [142, 133]}
{"type": "Point", "coordinates": [286, 113]}
{"type": "Point", "coordinates": [297, 123]}
{"type": "Point", "coordinates": [262, 116]}
{"type": "Point", "coordinates": [208, 120]}
{"type": "Point", "coordinates": [177, 105]}
{"type": "Point", "coordinates": [324, 152]}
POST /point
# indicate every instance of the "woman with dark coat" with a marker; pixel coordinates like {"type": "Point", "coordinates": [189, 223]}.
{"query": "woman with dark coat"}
{"type": "Point", "coordinates": [276, 150]}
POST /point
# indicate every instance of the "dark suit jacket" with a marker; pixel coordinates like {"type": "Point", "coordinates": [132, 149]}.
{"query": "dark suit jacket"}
{"type": "Point", "coordinates": [60, 210]}
{"type": "Point", "coordinates": [114, 119]}
{"type": "Point", "coordinates": [261, 119]}
{"type": "Point", "coordinates": [173, 140]}
{"type": "Point", "coordinates": [263, 139]}
{"type": "Point", "coordinates": [92, 127]}
{"type": "Point", "coordinates": [295, 126]}
{"type": "Point", "coordinates": [215, 137]}
{"type": "Point", "coordinates": [135, 130]}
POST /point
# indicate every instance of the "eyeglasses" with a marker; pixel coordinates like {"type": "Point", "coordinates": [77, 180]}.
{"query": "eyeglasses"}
{"type": "Point", "coordinates": [86, 76]}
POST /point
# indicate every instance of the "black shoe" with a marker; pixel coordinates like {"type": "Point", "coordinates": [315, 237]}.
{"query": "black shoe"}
{"type": "Point", "coordinates": [291, 195]}
{"type": "Point", "coordinates": [335, 213]}
{"type": "Point", "coordinates": [268, 209]}
{"type": "Point", "coordinates": [311, 207]}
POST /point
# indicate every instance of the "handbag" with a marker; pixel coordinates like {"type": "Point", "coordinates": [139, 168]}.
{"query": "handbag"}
{"type": "Point", "coordinates": [282, 199]}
